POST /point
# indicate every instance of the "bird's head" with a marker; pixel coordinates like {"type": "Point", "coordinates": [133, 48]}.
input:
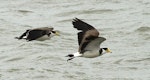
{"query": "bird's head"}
{"type": "Point", "coordinates": [107, 50]}
{"type": "Point", "coordinates": [56, 33]}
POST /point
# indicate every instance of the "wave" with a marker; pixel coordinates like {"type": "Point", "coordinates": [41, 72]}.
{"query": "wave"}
{"type": "Point", "coordinates": [143, 29]}
{"type": "Point", "coordinates": [84, 12]}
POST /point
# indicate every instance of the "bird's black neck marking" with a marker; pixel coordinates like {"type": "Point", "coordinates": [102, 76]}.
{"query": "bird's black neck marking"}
{"type": "Point", "coordinates": [49, 34]}
{"type": "Point", "coordinates": [100, 51]}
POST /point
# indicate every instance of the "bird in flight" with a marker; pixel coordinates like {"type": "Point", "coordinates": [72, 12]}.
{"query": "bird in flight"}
{"type": "Point", "coordinates": [40, 34]}
{"type": "Point", "coordinates": [88, 40]}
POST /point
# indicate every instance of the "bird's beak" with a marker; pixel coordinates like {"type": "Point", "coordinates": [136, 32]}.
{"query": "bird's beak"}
{"type": "Point", "coordinates": [108, 50]}
{"type": "Point", "coordinates": [57, 33]}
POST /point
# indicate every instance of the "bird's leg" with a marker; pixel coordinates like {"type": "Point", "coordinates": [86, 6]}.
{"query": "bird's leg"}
{"type": "Point", "coordinates": [70, 59]}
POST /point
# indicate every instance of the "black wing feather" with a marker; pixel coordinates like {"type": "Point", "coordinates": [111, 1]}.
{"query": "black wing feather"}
{"type": "Point", "coordinates": [80, 35]}
{"type": "Point", "coordinates": [24, 34]}
{"type": "Point", "coordinates": [34, 34]}
{"type": "Point", "coordinates": [87, 34]}
{"type": "Point", "coordinates": [80, 25]}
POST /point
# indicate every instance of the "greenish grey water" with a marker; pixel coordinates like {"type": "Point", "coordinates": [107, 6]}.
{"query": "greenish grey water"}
{"type": "Point", "coordinates": [125, 24]}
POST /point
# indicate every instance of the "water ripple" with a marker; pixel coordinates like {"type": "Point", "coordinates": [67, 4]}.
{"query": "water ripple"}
{"type": "Point", "coordinates": [143, 29]}
{"type": "Point", "coordinates": [15, 59]}
{"type": "Point", "coordinates": [84, 12]}
{"type": "Point", "coordinates": [139, 60]}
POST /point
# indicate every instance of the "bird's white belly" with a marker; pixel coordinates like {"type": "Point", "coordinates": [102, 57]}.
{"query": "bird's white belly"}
{"type": "Point", "coordinates": [91, 54]}
{"type": "Point", "coordinates": [45, 37]}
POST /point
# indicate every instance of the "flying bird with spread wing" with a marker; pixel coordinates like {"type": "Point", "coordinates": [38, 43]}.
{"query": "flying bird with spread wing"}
{"type": "Point", "coordinates": [40, 34]}
{"type": "Point", "coordinates": [88, 40]}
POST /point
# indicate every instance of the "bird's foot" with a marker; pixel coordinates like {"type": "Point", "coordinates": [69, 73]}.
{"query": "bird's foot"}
{"type": "Point", "coordinates": [70, 59]}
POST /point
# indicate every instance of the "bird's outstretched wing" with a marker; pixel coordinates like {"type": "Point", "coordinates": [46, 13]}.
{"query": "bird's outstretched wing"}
{"type": "Point", "coordinates": [95, 44]}
{"type": "Point", "coordinates": [38, 32]}
{"type": "Point", "coordinates": [87, 34]}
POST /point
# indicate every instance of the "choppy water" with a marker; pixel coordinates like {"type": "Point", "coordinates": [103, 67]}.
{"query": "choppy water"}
{"type": "Point", "coordinates": [125, 24]}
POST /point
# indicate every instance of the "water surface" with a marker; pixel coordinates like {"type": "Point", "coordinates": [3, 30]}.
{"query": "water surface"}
{"type": "Point", "coordinates": [125, 24]}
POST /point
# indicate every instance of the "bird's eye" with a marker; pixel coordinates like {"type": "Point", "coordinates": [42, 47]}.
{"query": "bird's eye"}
{"type": "Point", "coordinates": [105, 48]}
{"type": "Point", "coordinates": [53, 32]}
